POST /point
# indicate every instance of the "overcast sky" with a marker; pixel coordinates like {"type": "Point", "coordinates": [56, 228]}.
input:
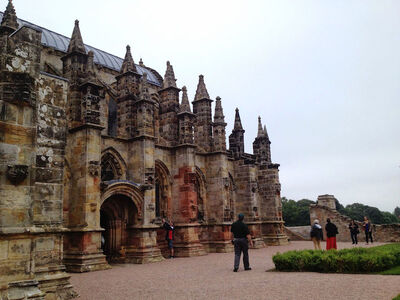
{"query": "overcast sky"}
{"type": "Point", "coordinates": [323, 75]}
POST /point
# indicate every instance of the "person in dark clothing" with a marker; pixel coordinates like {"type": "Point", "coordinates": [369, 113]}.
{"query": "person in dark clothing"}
{"type": "Point", "coordinates": [367, 226]}
{"type": "Point", "coordinates": [353, 227]}
{"type": "Point", "coordinates": [316, 235]}
{"type": "Point", "coordinates": [331, 232]}
{"type": "Point", "coordinates": [169, 236]}
{"type": "Point", "coordinates": [241, 241]}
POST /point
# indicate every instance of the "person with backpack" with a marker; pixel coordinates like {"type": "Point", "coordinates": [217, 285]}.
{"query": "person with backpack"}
{"type": "Point", "coordinates": [169, 235]}
{"type": "Point", "coordinates": [316, 235]}
{"type": "Point", "coordinates": [331, 232]}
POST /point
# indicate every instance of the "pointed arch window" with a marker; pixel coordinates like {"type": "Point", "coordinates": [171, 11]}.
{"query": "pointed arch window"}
{"type": "Point", "coordinates": [110, 168]}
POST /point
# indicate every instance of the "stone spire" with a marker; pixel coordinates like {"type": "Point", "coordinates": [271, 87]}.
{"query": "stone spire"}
{"type": "Point", "coordinates": [236, 138]}
{"type": "Point", "coordinates": [10, 18]}
{"type": "Point", "coordinates": [238, 123]}
{"type": "Point", "coordinates": [76, 42]}
{"type": "Point", "coordinates": [218, 113]}
{"type": "Point", "coordinates": [265, 131]}
{"type": "Point", "coordinates": [185, 106]}
{"type": "Point", "coordinates": [260, 131]}
{"type": "Point", "coordinates": [128, 64]}
{"type": "Point", "coordinates": [169, 78]}
{"type": "Point", "coordinates": [201, 92]}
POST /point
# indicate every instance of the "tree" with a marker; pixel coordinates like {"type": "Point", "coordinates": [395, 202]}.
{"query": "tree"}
{"type": "Point", "coordinates": [296, 213]}
{"type": "Point", "coordinates": [396, 212]}
{"type": "Point", "coordinates": [357, 211]}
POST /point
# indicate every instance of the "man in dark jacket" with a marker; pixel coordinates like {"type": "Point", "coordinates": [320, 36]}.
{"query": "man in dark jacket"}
{"type": "Point", "coordinates": [241, 241]}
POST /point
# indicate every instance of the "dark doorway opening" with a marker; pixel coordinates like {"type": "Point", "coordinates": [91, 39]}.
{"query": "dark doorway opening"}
{"type": "Point", "coordinates": [117, 216]}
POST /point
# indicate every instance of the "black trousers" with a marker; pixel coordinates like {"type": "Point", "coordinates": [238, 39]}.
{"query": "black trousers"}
{"type": "Point", "coordinates": [241, 245]}
{"type": "Point", "coordinates": [368, 234]}
{"type": "Point", "coordinates": [354, 237]}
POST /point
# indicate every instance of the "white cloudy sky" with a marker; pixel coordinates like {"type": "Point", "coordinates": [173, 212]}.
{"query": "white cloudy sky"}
{"type": "Point", "coordinates": [323, 75]}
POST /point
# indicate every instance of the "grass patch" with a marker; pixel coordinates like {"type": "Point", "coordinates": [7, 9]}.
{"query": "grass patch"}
{"type": "Point", "coordinates": [392, 271]}
{"type": "Point", "coordinates": [397, 297]}
{"type": "Point", "coordinates": [354, 260]}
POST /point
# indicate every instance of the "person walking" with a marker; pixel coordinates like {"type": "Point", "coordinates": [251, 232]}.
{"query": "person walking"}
{"type": "Point", "coordinates": [331, 232]}
{"type": "Point", "coordinates": [241, 241]}
{"type": "Point", "coordinates": [169, 236]}
{"type": "Point", "coordinates": [353, 227]}
{"type": "Point", "coordinates": [316, 235]}
{"type": "Point", "coordinates": [367, 226]}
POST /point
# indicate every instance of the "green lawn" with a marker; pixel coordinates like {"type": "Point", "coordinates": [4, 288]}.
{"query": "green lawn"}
{"type": "Point", "coordinates": [392, 271]}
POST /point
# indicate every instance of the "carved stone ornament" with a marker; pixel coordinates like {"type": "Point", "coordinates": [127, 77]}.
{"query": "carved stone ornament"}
{"type": "Point", "coordinates": [94, 168]}
{"type": "Point", "coordinates": [17, 173]}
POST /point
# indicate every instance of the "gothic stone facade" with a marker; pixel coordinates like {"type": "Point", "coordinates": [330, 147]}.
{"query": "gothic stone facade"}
{"type": "Point", "coordinates": [93, 156]}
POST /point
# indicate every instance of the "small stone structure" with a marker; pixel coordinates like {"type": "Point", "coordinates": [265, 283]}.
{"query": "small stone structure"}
{"type": "Point", "coordinates": [328, 201]}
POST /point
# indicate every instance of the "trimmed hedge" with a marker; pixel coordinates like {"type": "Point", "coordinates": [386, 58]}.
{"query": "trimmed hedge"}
{"type": "Point", "coordinates": [354, 260]}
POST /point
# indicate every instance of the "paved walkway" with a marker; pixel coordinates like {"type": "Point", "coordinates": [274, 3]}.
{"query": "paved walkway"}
{"type": "Point", "coordinates": [211, 277]}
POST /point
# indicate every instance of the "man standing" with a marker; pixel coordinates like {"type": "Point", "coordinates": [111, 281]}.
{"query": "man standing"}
{"type": "Point", "coordinates": [241, 240]}
{"type": "Point", "coordinates": [169, 236]}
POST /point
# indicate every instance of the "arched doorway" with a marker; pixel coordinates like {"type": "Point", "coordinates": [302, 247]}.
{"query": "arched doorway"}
{"type": "Point", "coordinates": [117, 214]}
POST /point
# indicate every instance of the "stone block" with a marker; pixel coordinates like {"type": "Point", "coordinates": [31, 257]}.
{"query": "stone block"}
{"type": "Point", "coordinates": [19, 248]}
{"type": "Point", "coordinates": [3, 249]}
{"type": "Point", "coordinates": [44, 244]}
{"type": "Point", "coordinates": [8, 153]}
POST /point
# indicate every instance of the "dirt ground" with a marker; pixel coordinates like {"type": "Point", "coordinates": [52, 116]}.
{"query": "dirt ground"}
{"type": "Point", "coordinates": [211, 277]}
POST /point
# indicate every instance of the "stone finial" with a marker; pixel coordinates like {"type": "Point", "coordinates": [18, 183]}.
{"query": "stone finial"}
{"type": "Point", "coordinates": [219, 113]}
{"type": "Point", "coordinates": [185, 106]}
{"type": "Point", "coordinates": [76, 42]}
{"type": "Point", "coordinates": [238, 123]}
{"type": "Point", "coordinates": [10, 17]}
{"type": "Point", "coordinates": [265, 132]}
{"type": "Point", "coordinates": [201, 92]}
{"type": "Point", "coordinates": [128, 65]}
{"type": "Point", "coordinates": [141, 62]}
{"type": "Point", "coordinates": [260, 131]}
{"type": "Point", "coordinates": [169, 78]}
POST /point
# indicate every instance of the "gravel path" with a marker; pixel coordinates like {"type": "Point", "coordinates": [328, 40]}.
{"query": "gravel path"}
{"type": "Point", "coordinates": [211, 277]}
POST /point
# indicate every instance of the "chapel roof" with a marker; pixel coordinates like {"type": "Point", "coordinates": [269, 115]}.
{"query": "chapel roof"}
{"type": "Point", "coordinates": [60, 42]}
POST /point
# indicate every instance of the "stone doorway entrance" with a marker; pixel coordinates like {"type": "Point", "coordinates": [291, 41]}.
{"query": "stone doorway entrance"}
{"type": "Point", "coordinates": [117, 217]}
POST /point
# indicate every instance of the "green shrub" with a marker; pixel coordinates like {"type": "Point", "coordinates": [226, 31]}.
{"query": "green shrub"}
{"type": "Point", "coordinates": [354, 260]}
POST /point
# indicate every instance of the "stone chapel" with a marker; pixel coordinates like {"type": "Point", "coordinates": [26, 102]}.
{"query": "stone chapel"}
{"type": "Point", "coordinates": [95, 150]}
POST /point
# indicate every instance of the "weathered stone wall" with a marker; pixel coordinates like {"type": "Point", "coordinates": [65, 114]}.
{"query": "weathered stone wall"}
{"type": "Point", "coordinates": [380, 233]}
{"type": "Point", "coordinates": [32, 142]}
{"type": "Point", "coordinates": [298, 233]}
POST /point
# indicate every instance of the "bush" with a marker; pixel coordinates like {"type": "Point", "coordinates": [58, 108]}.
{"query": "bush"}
{"type": "Point", "coordinates": [354, 260]}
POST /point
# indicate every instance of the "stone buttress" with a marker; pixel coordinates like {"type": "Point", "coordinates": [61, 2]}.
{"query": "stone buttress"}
{"type": "Point", "coordinates": [83, 242]}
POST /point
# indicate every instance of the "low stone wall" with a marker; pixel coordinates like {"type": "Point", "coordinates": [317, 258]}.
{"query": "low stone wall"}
{"type": "Point", "coordinates": [298, 233]}
{"type": "Point", "coordinates": [380, 233]}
